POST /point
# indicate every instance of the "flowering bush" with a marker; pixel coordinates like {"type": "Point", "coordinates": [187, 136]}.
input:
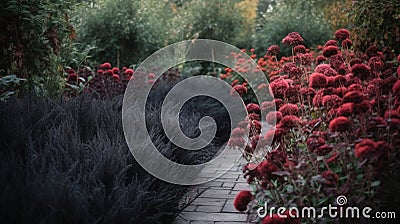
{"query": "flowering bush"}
{"type": "Point", "coordinates": [337, 127]}
{"type": "Point", "coordinates": [107, 80]}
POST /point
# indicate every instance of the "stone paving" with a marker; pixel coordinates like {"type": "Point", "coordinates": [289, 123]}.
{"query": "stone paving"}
{"type": "Point", "coordinates": [212, 202]}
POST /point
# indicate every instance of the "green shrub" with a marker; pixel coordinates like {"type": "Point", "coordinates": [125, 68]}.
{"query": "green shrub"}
{"type": "Point", "coordinates": [376, 22]}
{"type": "Point", "coordinates": [35, 36]}
{"type": "Point", "coordinates": [123, 31]}
{"type": "Point", "coordinates": [291, 16]}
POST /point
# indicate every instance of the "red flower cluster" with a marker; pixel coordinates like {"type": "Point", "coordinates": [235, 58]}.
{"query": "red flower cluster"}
{"type": "Point", "coordinates": [293, 38]}
{"type": "Point", "coordinates": [242, 200]}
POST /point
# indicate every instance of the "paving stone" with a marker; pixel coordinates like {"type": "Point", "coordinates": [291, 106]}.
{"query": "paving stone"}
{"type": "Point", "coordinates": [228, 184]}
{"type": "Point", "coordinates": [209, 201]}
{"type": "Point", "coordinates": [228, 207]}
{"type": "Point", "coordinates": [208, 208]}
{"type": "Point", "coordinates": [181, 221]}
{"type": "Point", "coordinates": [212, 202]}
{"type": "Point", "coordinates": [215, 193]}
{"type": "Point", "coordinates": [190, 208]}
{"type": "Point", "coordinates": [242, 186]}
{"type": "Point", "coordinates": [201, 222]}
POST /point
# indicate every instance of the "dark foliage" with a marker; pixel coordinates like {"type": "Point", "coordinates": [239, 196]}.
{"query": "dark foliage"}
{"type": "Point", "coordinates": [66, 161]}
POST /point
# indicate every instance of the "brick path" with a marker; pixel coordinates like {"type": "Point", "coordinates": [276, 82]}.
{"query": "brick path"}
{"type": "Point", "coordinates": [212, 202]}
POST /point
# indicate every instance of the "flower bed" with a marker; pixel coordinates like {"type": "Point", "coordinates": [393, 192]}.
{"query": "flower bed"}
{"type": "Point", "coordinates": [335, 129]}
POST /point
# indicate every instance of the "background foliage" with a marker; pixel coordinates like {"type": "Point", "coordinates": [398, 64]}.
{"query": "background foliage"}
{"type": "Point", "coordinates": [283, 17]}
{"type": "Point", "coordinates": [36, 38]}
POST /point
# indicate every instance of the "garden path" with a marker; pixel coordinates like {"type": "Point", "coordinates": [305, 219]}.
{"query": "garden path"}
{"type": "Point", "coordinates": [212, 202]}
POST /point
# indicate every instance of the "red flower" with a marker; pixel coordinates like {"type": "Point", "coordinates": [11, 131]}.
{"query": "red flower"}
{"type": "Point", "coordinates": [115, 70]}
{"type": "Point", "coordinates": [234, 82]}
{"type": "Point", "coordinates": [100, 71]}
{"type": "Point", "coordinates": [340, 124]}
{"type": "Point", "coordinates": [274, 49]}
{"type": "Point", "coordinates": [375, 63]}
{"type": "Point", "coordinates": [265, 169]}
{"type": "Point", "coordinates": [268, 106]}
{"type": "Point", "coordinates": [242, 200]}
{"type": "Point", "coordinates": [250, 172]}
{"type": "Point", "coordinates": [353, 97]}
{"type": "Point", "coordinates": [289, 109]}
{"type": "Point", "coordinates": [289, 122]}
{"type": "Point", "coordinates": [72, 77]}
{"type": "Point", "coordinates": [129, 71]}
{"type": "Point", "coordinates": [279, 88]}
{"type": "Point", "coordinates": [331, 101]}
{"type": "Point", "coordinates": [317, 80]}
{"type": "Point", "coordinates": [253, 108]}
{"type": "Point", "coordinates": [361, 108]}
{"type": "Point", "coordinates": [314, 142]}
{"type": "Point", "coordinates": [362, 71]}
{"type": "Point", "coordinates": [339, 80]}
{"type": "Point", "coordinates": [254, 116]}
{"type": "Point", "coordinates": [390, 114]}
{"type": "Point", "coordinates": [355, 61]}
{"type": "Point", "coordinates": [108, 72]}
{"type": "Point", "coordinates": [293, 38]}
{"type": "Point", "coordinates": [396, 89]}
{"type": "Point", "coordinates": [299, 49]}
{"type": "Point", "coordinates": [240, 89]}
{"type": "Point", "coordinates": [273, 117]}
{"type": "Point", "coordinates": [236, 142]}
{"type": "Point", "coordinates": [342, 34]}
{"type": "Point", "coordinates": [330, 51]}
{"type": "Point", "coordinates": [330, 177]}
{"type": "Point", "coordinates": [320, 59]}
{"type": "Point", "coordinates": [365, 149]}
{"type": "Point", "coordinates": [347, 43]}
{"type": "Point", "coordinates": [331, 43]}
{"type": "Point", "coordinates": [325, 69]}
{"type": "Point", "coordinates": [323, 150]}
{"type": "Point", "coordinates": [295, 72]}
{"type": "Point", "coordinates": [345, 109]}
{"type": "Point", "coordinates": [106, 65]}
{"type": "Point", "coordinates": [238, 132]}
{"type": "Point", "coordinates": [287, 67]}
{"type": "Point", "coordinates": [307, 91]}
{"type": "Point", "coordinates": [255, 125]}
{"type": "Point", "coordinates": [115, 77]}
